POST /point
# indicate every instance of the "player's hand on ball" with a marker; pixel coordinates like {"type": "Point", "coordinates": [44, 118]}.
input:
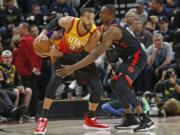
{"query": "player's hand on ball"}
{"type": "Point", "coordinates": [41, 37]}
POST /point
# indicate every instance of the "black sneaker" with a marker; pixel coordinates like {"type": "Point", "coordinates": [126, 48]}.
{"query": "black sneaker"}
{"type": "Point", "coordinates": [129, 122]}
{"type": "Point", "coordinates": [146, 124]}
{"type": "Point", "coordinates": [26, 118]}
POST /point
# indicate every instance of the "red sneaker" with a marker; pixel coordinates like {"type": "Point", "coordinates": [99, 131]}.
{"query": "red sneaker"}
{"type": "Point", "coordinates": [41, 126]}
{"type": "Point", "coordinates": [92, 123]}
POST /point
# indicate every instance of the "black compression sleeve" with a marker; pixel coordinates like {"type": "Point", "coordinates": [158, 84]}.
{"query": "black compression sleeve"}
{"type": "Point", "coordinates": [53, 23]}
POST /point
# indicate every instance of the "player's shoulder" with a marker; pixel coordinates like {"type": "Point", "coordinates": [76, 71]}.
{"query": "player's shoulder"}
{"type": "Point", "coordinates": [67, 19]}
{"type": "Point", "coordinates": [114, 29]}
{"type": "Point", "coordinates": [66, 22]}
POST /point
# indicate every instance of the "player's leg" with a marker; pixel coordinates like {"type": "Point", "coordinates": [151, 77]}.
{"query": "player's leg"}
{"type": "Point", "coordinates": [123, 85]}
{"type": "Point", "coordinates": [90, 121]}
{"type": "Point", "coordinates": [129, 120]}
{"type": "Point", "coordinates": [49, 97]}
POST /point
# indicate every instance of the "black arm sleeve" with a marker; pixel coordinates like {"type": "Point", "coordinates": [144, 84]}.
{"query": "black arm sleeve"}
{"type": "Point", "coordinates": [52, 24]}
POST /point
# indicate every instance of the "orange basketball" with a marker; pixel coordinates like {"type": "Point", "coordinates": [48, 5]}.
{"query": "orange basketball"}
{"type": "Point", "coordinates": [41, 47]}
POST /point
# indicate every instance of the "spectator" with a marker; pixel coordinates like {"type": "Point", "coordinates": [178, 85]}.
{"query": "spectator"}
{"type": "Point", "coordinates": [11, 80]}
{"type": "Point", "coordinates": [140, 33]}
{"type": "Point", "coordinates": [129, 18]}
{"type": "Point", "coordinates": [13, 15]}
{"type": "Point", "coordinates": [36, 16]}
{"type": "Point", "coordinates": [61, 8]}
{"type": "Point", "coordinates": [157, 9]}
{"type": "Point", "coordinates": [159, 58]}
{"type": "Point", "coordinates": [34, 31]}
{"type": "Point", "coordinates": [28, 63]}
{"type": "Point", "coordinates": [169, 85]}
{"type": "Point", "coordinates": [140, 11]}
{"type": "Point", "coordinates": [166, 32]}
{"type": "Point", "coordinates": [15, 42]}
{"type": "Point", "coordinates": [171, 5]}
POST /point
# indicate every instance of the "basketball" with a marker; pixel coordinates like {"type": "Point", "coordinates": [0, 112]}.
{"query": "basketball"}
{"type": "Point", "coordinates": [42, 47]}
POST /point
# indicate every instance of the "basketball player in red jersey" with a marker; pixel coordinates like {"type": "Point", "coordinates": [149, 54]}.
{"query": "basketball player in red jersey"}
{"type": "Point", "coordinates": [80, 37]}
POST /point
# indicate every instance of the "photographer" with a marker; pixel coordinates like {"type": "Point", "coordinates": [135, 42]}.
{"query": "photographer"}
{"type": "Point", "coordinates": [169, 85]}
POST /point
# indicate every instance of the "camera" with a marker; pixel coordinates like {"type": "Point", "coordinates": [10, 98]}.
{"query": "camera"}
{"type": "Point", "coordinates": [169, 73]}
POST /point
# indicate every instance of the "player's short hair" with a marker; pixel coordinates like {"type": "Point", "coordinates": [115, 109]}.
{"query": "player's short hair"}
{"type": "Point", "coordinates": [111, 9]}
{"type": "Point", "coordinates": [84, 10]}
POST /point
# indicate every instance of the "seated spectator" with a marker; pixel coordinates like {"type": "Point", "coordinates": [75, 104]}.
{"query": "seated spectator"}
{"type": "Point", "coordinates": [61, 8]}
{"type": "Point", "coordinates": [129, 19]}
{"type": "Point", "coordinates": [36, 16]}
{"type": "Point", "coordinates": [34, 31]}
{"type": "Point", "coordinates": [140, 33]}
{"type": "Point", "coordinates": [8, 109]}
{"type": "Point", "coordinates": [140, 11]}
{"type": "Point", "coordinates": [157, 9]}
{"type": "Point", "coordinates": [164, 29]}
{"type": "Point", "coordinates": [11, 80]}
{"type": "Point", "coordinates": [13, 15]}
{"type": "Point", "coordinates": [171, 5]}
{"type": "Point", "coordinates": [159, 58]}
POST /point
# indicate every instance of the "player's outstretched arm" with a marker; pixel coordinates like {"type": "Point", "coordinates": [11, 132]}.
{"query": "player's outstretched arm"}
{"type": "Point", "coordinates": [107, 39]}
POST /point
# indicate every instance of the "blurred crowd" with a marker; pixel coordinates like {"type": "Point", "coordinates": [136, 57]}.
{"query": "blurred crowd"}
{"type": "Point", "coordinates": [24, 75]}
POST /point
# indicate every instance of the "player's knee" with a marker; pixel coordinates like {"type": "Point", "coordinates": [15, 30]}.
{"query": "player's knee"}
{"type": "Point", "coordinates": [95, 98]}
{"type": "Point", "coordinates": [119, 85]}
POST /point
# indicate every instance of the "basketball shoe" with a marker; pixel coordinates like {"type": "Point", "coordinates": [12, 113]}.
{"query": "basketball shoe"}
{"type": "Point", "coordinates": [41, 126]}
{"type": "Point", "coordinates": [93, 124]}
{"type": "Point", "coordinates": [146, 124]}
{"type": "Point", "coordinates": [129, 121]}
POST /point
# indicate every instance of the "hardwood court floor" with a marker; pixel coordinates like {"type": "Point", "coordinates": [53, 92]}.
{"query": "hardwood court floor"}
{"type": "Point", "coordinates": [164, 126]}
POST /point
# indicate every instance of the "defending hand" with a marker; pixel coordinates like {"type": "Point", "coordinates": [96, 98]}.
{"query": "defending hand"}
{"type": "Point", "coordinates": [64, 71]}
